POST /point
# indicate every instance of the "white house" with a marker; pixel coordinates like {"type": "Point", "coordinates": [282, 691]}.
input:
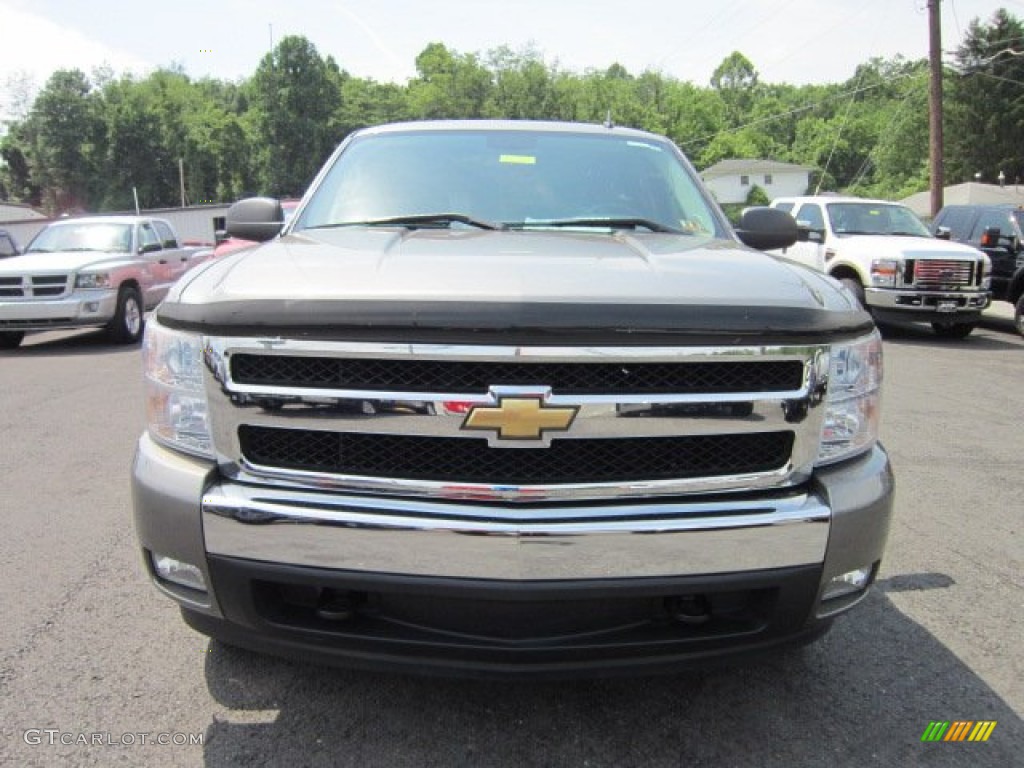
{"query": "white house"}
{"type": "Point", "coordinates": [732, 180]}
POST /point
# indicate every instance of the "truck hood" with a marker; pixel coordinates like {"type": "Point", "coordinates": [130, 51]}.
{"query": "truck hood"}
{"type": "Point", "coordinates": [896, 247]}
{"type": "Point", "coordinates": [373, 278]}
{"type": "Point", "coordinates": [59, 261]}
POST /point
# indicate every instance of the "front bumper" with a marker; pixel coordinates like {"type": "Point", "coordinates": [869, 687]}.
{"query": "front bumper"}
{"type": "Point", "coordinates": [551, 589]}
{"type": "Point", "coordinates": [926, 306]}
{"type": "Point", "coordinates": [79, 310]}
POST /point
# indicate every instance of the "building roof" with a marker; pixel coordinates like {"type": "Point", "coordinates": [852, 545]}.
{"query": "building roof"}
{"type": "Point", "coordinates": [739, 166]}
{"type": "Point", "coordinates": [968, 193]}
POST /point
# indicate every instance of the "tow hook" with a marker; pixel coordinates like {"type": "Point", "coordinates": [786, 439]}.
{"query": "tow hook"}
{"type": "Point", "coordinates": [689, 609]}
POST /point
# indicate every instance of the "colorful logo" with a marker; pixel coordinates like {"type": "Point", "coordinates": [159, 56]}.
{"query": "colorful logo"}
{"type": "Point", "coordinates": [958, 730]}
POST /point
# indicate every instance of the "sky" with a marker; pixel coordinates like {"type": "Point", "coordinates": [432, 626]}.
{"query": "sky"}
{"type": "Point", "coordinates": [787, 41]}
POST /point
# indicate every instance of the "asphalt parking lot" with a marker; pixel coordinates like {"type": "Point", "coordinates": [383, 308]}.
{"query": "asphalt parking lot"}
{"type": "Point", "coordinates": [87, 646]}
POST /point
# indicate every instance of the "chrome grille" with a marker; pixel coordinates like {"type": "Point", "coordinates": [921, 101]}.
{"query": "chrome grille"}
{"type": "Point", "coordinates": [363, 417]}
{"type": "Point", "coordinates": [943, 273]}
{"type": "Point", "coordinates": [36, 286]}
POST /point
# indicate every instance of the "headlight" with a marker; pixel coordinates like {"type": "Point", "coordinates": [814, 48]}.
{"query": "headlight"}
{"type": "Point", "coordinates": [92, 280]}
{"type": "Point", "coordinates": [884, 272]}
{"type": "Point", "coordinates": [853, 401]}
{"type": "Point", "coordinates": [176, 407]}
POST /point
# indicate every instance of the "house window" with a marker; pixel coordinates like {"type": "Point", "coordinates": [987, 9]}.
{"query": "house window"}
{"type": "Point", "coordinates": [744, 181]}
{"type": "Point", "coordinates": [767, 178]}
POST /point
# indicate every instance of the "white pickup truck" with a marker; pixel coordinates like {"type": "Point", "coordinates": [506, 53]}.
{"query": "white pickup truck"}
{"type": "Point", "coordinates": [890, 261]}
{"type": "Point", "coordinates": [101, 271]}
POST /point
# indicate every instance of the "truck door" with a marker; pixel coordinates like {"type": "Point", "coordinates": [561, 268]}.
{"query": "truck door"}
{"type": "Point", "coordinates": [153, 254]}
{"type": "Point", "coordinates": [1003, 252]}
{"type": "Point", "coordinates": [175, 256]}
{"type": "Point", "coordinates": [812, 252]}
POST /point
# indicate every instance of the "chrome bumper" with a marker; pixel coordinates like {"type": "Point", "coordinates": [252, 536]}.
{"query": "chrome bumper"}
{"type": "Point", "coordinates": [932, 302]}
{"type": "Point", "coordinates": [185, 510]}
{"type": "Point", "coordinates": [77, 310]}
{"type": "Point", "coordinates": [415, 538]}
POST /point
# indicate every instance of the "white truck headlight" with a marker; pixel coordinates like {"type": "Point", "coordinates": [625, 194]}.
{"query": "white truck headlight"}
{"type": "Point", "coordinates": [176, 408]}
{"type": "Point", "coordinates": [92, 280]}
{"type": "Point", "coordinates": [853, 401]}
{"type": "Point", "coordinates": [884, 273]}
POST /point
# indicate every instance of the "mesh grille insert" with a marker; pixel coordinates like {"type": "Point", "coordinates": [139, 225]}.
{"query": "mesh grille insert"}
{"type": "Point", "coordinates": [470, 460]}
{"type": "Point", "coordinates": [464, 377]}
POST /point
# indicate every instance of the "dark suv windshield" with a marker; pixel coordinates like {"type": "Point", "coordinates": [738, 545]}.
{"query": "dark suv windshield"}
{"type": "Point", "coordinates": [874, 219]}
{"type": "Point", "coordinates": [510, 179]}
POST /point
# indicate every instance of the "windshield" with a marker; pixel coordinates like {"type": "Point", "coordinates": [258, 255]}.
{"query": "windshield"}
{"type": "Point", "coordinates": [106, 236]}
{"type": "Point", "coordinates": [874, 219]}
{"type": "Point", "coordinates": [510, 179]}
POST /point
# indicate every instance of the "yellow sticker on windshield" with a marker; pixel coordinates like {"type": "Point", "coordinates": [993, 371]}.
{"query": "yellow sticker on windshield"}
{"type": "Point", "coordinates": [518, 159]}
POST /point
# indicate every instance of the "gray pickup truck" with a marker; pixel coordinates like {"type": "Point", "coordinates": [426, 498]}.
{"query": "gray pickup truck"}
{"type": "Point", "coordinates": [511, 399]}
{"type": "Point", "coordinates": [92, 271]}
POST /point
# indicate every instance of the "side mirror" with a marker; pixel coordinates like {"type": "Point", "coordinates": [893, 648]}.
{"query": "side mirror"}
{"type": "Point", "coordinates": [944, 233]}
{"type": "Point", "coordinates": [766, 228]}
{"type": "Point", "coordinates": [990, 238]}
{"type": "Point", "coordinates": [219, 236]}
{"type": "Point", "coordinates": [150, 247]}
{"type": "Point", "coordinates": [255, 218]}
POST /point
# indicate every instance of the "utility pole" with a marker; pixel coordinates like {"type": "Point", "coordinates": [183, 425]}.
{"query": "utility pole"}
{"type": "Point", "coordinates": [935, 105]}
{"type": "Point", "coordinates": [181, 179]}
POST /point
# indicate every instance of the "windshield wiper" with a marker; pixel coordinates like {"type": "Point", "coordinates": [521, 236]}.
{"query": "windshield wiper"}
{"type": "Point", "coordinates": [416, 221]}
{"type": "Point", "coordinates": [611, 222]}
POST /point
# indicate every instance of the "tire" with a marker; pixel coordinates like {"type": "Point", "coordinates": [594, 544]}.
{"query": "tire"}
{"type": "Point", "coordinates": [856, 289]}
{"type": "Point", "coordinates": [129, 319]}
{"type": "Point", "coordinates": [1018, 315]}
{"type": "Point", "coordinates": [11, 339]}
{"type": "Point", "coordinates": [958, 331]}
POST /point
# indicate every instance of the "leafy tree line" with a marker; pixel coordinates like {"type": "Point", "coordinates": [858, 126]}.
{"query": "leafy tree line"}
{"type": "Point", "coordinates": [94, 142]}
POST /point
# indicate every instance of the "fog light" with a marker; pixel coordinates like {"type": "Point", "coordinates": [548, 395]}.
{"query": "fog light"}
{"type": "Point", "coordinates": [178, 572]}
{"type": "Point", "coordinates": [848, 583]}
{"type": "Point", "coordinates": [92, 306]}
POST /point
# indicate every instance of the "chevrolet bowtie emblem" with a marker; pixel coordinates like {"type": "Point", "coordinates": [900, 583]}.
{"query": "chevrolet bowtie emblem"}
{"type": "Point", "coordinates": [520, 418]}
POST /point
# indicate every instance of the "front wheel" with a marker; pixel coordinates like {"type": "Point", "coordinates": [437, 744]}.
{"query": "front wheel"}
{"type": "Point", "coordinates": [126, 326]}
{"type": "Point", "coordinates": [11, 339]}
{"type": "Point", "coordinates": [950, 331]}
{"type": "Point", "coordinates": [1018, 315]}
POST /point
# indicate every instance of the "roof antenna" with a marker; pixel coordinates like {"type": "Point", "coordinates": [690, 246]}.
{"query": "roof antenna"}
{"type": "Point", "coordinates": [608, 120]}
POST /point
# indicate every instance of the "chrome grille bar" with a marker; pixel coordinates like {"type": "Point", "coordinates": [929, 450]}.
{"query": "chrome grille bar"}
{"type": "Point", "coordinates": [943, 273]}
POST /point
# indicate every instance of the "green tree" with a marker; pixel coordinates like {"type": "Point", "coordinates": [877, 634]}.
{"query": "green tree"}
{"type": "Point", "coordinates": [63, 137]}
{"type": "Point", "coordinates": [986, 115]}
{"type": "Point", "coordinates": [736, 81]}
{"type": "Point", "coordinates": [523, 85]}
{"type": "Point", "coordinates": [295, 95]}
{"type": "Point", "coordinates": [449, 84]}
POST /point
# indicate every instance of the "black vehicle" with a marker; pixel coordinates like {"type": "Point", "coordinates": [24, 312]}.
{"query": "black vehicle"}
{"type": "Point", "coordinates": [7, 245]}
{"type": "Point", "coordinates": [998, 230]}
